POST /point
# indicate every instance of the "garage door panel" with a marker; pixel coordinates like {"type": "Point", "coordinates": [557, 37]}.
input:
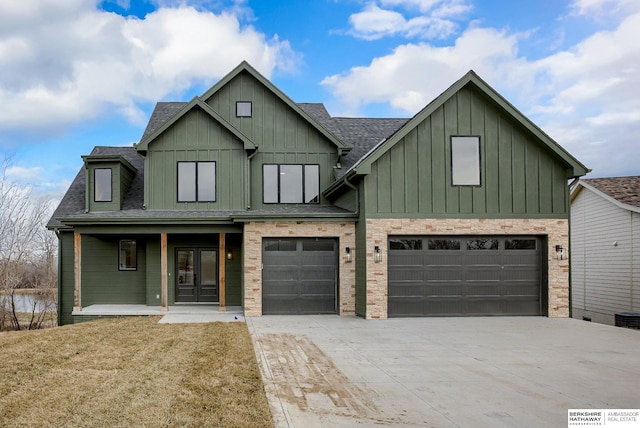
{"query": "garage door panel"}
{"type": "Point", "coordinates": [407, 307]}
{"type": "Point", "coordinates": [407, 289]}
{"type": "Point", "coordinates": [299, 276]}
{"type": "Point", "coordinates": [444, 289]}
{"type": "Point", "coordinates": [412, 273]}
{"type": "Point", "coordinates": [475, 276]}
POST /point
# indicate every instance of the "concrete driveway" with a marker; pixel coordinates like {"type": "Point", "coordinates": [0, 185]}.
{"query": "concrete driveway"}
{"type": "Point", "coordinates": [443, 372]}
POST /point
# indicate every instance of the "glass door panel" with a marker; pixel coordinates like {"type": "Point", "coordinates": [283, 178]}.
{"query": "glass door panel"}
{"type": "Point", "coordinates": [208, 287]}
{"type": "Point", "coordinates": [186, 278]}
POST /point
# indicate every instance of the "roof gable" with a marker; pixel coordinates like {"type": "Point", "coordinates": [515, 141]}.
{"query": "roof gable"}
{"type": "Point", "coordinates": [196, 102]}
{"type": "Point", "coordinates": [245, 67]}
{"type": "Point", "coordinates": [623, 192]}
{"type": "Point", "coordinates": [363, 166]}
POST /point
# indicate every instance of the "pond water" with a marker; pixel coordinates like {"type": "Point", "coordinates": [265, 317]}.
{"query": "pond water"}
{"type": "Point", "coordinates": [24, 302]}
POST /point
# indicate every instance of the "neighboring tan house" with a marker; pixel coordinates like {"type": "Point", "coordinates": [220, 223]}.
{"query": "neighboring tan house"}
{"type": "Point", "coordinates": [242, 197]}
{"type": "Point", "coordinates": [605, 248]}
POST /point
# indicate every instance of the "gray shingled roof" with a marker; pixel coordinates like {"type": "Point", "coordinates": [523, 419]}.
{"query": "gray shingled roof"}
{"type": "Point", "coordinates": [161, 113]}
{"type": "Point", "coordinates": [623, 189]}
{"type": "Point", "coordinates": [361, 134]}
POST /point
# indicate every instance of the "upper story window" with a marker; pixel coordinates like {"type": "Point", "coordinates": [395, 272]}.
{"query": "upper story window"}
{"type": "Point", "coordinates": [244, 109]}
{"type": "Point", "coordinates": [465, 161]}
{"type": "Point", "coordinates": [196, 181]}
{"type": "Point", "coordinates": [102, 190]}
{"type": "Point", "coordinates": [291, 184]}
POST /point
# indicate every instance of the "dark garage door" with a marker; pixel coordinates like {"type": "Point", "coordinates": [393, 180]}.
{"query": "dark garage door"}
{"type": "Point", "coordinates": [465, 276]}
{"type": "Point", "coordinates": [299, 276]}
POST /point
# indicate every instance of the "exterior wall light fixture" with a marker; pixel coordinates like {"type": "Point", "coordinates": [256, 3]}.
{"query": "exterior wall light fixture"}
{"type": "Point", "coordinates": [229, 255]}
{"type": "Point", "coordinates": [347, 255]}
{"type": "Point", "coordinates": [377, 254]}
{"type": "Point", "coordinates": [559, 252]}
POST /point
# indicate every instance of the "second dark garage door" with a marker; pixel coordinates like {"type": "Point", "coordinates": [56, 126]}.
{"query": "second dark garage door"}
{"type": "Point", "coordinates": [299, 276]}
{"type": "Point", "coordinates": [465, 276]}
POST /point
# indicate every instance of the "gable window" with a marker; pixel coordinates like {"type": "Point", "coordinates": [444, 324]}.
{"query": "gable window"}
{"type": "Point", "coordinates": [127, 255]}
{"type": "Point", "coordinates": [102, 185]}
{"type": "Point", "coordinates": [244, 109]}
{"type": "Point", "coordinates": [196, 181]}
{"type": "Point", "coordinates": [291, 184]}
{"type": "Point", "coordinates": [465, 161]}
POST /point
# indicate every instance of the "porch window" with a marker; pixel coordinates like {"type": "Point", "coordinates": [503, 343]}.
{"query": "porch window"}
{"type": "Point", "coordinates": [291, 184]}
{"type": "Point", "coordinates": [196, 181]}
{"type": "Point", "coordinates": [127, 259]}
{"type": "Point", "coordinates": [465, 161]}
{"type": "Point", "coordinates": [102, 185]}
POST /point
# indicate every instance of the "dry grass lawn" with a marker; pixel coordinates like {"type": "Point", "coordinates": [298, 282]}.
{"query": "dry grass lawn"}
{"type": "Point", "coordinates": [131, 372]}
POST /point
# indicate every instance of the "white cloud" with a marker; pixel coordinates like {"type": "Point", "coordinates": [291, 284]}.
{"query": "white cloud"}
{"type": "Point", "coordinates": [416, 73]}
{"type": "Point", "coordinates": [65, 62]}
{"type": "Point", "coordinates": [586, 97]}
{"type": "Point", "coordinates": [597, 8]}
{"type": "Point", "coordinates": [436, 22]}
{"type": "Point", "coordinates": [19, 173]}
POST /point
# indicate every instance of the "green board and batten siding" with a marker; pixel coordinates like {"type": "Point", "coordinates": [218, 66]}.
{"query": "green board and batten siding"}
{"type": "Point", "coordinates": [102, 281]}
{"type": "Point", "coordinates": [282, 135]}
{"type": "Point", "coordinates": [520, 177]}
{"type": "Point", "coordinates": [65, 278]}
{"type": "Point", "coordinates": [195, 137]}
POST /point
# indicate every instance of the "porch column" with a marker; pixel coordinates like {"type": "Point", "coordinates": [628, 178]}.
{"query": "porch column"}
{"type": "Point", "coordinates": [77, 272]}
{"type": "Point", "coordinates": [222, 257]}
{"type": "Point", "coordinates": [163, 273]}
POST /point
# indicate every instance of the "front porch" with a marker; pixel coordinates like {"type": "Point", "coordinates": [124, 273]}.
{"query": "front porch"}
{"type": "Point", "coordinates": [174, 314]}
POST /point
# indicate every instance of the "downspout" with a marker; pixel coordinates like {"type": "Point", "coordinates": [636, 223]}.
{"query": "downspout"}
{"type": "Point", "coordinates": [351, 186]}
{"type": "Point", "coordinates": [248, 179]}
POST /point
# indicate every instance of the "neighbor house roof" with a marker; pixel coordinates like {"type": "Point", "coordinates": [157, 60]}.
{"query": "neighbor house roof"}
{"type": "Point", "coordinates": [622, 191]}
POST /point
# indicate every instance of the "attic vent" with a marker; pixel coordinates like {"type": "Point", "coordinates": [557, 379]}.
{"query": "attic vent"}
{"type": "Point", "coordinates": [628, 319]}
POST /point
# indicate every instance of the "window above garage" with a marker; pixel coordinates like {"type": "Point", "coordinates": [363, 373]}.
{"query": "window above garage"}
{"type": "Point", "coordinates": [291, 184]}
{"type": "Point", "coordinates": [465, 161]}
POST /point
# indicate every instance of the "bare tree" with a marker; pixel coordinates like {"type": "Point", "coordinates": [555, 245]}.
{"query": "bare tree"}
{"type": "Point", "coordinates": [26, 250]}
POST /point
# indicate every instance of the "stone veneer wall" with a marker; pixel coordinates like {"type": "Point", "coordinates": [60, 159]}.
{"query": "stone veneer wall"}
{"type": "Point", "coordinates": [557, 231]}
{"type": "Point", "coordinates": [255, 231]}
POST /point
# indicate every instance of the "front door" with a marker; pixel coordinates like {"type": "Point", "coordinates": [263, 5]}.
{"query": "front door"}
{"type": "Point", "coordinates": [197, 278]}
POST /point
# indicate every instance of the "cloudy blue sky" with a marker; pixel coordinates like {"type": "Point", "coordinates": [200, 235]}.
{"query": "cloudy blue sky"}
{"type": "Point", "coordinates": [80, 73]}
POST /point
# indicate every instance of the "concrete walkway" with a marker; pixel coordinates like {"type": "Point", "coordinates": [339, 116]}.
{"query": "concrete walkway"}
{"type": "Point", "coordinates": [333, 371]}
